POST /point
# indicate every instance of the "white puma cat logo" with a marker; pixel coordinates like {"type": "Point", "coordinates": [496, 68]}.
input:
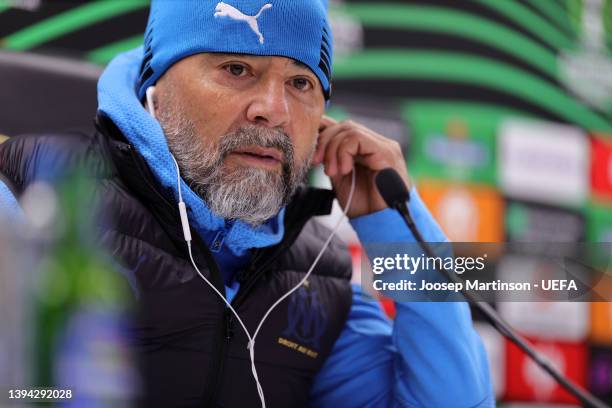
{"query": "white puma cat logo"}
{"type": "Point", "coordinates": [225, 10]}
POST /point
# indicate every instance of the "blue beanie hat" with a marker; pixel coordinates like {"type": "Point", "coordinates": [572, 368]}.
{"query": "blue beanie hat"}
{"type": "Point", "coordinates": [296, 29]}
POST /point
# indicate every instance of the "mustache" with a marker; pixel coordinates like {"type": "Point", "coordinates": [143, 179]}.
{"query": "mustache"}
{"type": "Point", "coordinates": [252, 135]}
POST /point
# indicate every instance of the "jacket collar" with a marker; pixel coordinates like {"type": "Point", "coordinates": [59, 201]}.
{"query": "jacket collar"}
{"type": "Point", "coordinates": [134, 171]}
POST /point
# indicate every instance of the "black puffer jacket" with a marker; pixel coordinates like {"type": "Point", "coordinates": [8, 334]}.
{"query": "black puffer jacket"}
{"type": "Point", "coordinates": [192, 351]}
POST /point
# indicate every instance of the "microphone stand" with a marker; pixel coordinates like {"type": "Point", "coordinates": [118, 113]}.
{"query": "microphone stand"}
{"type": "Point", "coordinates": [487, 311]}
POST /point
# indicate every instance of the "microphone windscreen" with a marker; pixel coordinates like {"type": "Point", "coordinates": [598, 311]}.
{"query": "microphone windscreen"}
{"type": "Point", "coordinates": [391, 187]}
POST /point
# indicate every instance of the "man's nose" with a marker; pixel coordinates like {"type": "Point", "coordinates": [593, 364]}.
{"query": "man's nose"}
{"type": "Point", "coordinates": [269, 106]}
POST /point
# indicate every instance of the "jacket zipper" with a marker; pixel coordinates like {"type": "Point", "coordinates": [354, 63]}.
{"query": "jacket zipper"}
{"type": "Point", "coordinates": [253, 277]}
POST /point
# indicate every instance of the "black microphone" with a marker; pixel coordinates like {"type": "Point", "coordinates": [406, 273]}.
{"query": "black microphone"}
{"type": "Point", "coordinates": [395, 193]}
{"type": "Point", "coordinates": [393, 190]}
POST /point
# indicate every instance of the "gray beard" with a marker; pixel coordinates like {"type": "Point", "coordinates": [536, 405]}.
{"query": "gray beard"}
{"type": "Point", "coordinates": [249, 194]}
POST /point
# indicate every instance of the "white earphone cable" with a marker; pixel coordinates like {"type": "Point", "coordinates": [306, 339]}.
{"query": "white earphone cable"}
{"type": "Point", "coordinates": [187, 235]}
{"type": "Point", "coordinates": [251, 345]}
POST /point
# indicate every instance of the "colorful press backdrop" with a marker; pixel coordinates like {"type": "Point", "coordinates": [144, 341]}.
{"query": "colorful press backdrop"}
{"type": "Point", "coordinates": [503, 107]}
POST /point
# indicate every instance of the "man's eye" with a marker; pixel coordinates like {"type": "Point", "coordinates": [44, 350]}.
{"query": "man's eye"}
{"type": "Point", "coordinates": [236, 69]}
{"type": "Point", "coordinates": [302, 84]}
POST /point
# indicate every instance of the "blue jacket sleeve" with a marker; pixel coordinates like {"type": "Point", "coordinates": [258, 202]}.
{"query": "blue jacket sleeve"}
{"type": "Point", "coordinates": [430, 356]}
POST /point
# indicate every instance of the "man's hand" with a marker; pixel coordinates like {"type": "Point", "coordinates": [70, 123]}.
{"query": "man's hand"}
{"type": "Point", "coordinates": [343, 145]}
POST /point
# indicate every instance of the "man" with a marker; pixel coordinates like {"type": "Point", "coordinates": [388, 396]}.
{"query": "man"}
{"type": "Point", "coordinates": [236, 93]}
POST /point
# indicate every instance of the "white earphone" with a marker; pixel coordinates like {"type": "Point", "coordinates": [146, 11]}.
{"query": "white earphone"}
{"type": "Point", "coordinates": [182, 208]}
{"type": "Point", "coordinates": [187, 235]}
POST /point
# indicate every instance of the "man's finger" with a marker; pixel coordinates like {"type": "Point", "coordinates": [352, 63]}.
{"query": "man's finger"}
{"type": "Point", "coordinates": [351, 143]}
{"type": "Point", "coordinates": [325, 136]}
{"type": "Point", "coordinates": [346, 155]}
{"type": "Point", "coordinates": [364, 149]}
{"type": "Point", "coordinates": [330, 154]}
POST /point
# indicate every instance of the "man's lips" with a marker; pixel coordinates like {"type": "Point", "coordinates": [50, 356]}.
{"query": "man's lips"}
{"type": "Point", "coordinates": [263, 153]}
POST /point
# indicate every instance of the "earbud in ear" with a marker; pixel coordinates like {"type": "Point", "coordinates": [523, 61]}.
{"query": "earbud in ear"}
{"type": "Point", "coordinates": [150, 102]}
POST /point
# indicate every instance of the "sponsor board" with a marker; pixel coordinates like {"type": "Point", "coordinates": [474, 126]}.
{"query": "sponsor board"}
{"type": "Point", "coordinates": [544, 162]}
{"type": "Point", "coordinates": [562, 321]}
{"type": "Point", "coordinates": [601, 167]}
{"type": "Point", "coordinates": [599, 223]}
{"type": "Point", "coordinates": [453, 142]}
{"type": "Point", "coordinates": [466, 213]}
{"type": "Point", "coordinates": [601, 321]}
{"type": "Point", "coordinates": [526, 381]}
{"type": "Point", "coordinates": [542, 223]}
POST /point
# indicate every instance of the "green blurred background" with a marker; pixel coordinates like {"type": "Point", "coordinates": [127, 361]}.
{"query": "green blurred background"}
{"type": "Point", "coordinates": [503, 108]}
